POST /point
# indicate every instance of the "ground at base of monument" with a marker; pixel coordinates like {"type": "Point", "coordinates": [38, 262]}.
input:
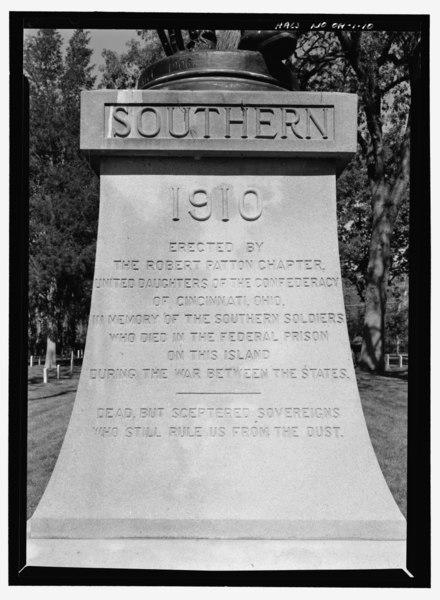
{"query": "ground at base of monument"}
{"type": "Point", "coordinates": [217, 555]}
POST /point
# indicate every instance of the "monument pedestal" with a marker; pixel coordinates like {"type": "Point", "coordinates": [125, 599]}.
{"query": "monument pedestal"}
{"type": "Point", "coordinates": [217, 423]}
{"type": "Point", "coordinates": [217, 555]}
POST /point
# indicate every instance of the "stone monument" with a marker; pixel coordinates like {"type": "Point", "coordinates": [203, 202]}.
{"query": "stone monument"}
{"type": "Point", "coordinates": [217, 423]}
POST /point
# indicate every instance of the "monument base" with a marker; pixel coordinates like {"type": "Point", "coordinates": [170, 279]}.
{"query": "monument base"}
{"type": "Point", "coordinates": [217, 555]}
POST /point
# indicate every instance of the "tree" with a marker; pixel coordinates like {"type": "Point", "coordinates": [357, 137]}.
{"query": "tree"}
{"type": "Point", "coordinates": [123, 71]}
{"type": "Point", "coordinates": [63, 191]}
{"type": "Point", "coordinates": [77, 76]}
{"type": "Point", "coordinates": [372, 61]}
{"type": "Point", "coordinates": [43, 67]}
{"type": "Point", "coordinates": [379, 67]}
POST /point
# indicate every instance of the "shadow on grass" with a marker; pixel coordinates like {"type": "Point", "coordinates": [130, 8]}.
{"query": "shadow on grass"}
{"type": "Point", "coordinates": [56, 395]}
{"type": "Point", "coordinates": [403, 375]}
{"type": "Point", "coordinates": [35, 380]}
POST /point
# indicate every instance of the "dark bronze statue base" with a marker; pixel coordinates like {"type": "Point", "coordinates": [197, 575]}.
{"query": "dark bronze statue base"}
{"type": "Point", "coordinates": [274, 44]}
{"type": "Point", "coordinates": [215, 69]}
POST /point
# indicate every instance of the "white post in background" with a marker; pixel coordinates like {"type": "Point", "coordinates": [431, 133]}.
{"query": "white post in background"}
{"type": "Point", "coordinates": [58, 371]}
{"type": "Point", "coordinates": [71, 362]}
{"type": "Point", "coordinates": [387, 361]}
{"type": "Point", "coordinates": [39, 360]}
{"type": "Point", "coordinates": [45, 375]}
{"type": "Point", "coordinates": [31, 361]}
{"type": "Point", "coordinates": [400, 360]}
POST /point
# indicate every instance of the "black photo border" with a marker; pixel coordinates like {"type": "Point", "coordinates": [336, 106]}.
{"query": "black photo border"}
{"type": "Point", "coordinates": [418, 571]}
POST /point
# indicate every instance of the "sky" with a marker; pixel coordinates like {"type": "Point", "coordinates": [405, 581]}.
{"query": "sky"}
{"type": "Point", "coordinates": [100, 39]}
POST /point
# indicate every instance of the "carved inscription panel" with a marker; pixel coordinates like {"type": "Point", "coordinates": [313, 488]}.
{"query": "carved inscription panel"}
{"type": "Point", "coordinates": [240, 121]}
{"type": "Point", "coordinates": [220, 311]}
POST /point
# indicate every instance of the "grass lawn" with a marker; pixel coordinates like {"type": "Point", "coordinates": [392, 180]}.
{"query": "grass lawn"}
{"type": "Point", "coordinates": [384, 400]}
{"type": "Point", "coordinates": [49, 409]}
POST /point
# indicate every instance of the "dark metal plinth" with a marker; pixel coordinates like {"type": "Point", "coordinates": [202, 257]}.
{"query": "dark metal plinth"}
{"type": "Point", "coordinates": [214, 69]}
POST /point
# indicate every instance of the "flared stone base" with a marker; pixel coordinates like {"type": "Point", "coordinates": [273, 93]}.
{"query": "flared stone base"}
{"type": "Point", "coordinates": [217, 555]}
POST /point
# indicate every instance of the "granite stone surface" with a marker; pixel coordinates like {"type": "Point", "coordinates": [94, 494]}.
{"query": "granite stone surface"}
{"type": "Point", "coordinates": [218, 398]}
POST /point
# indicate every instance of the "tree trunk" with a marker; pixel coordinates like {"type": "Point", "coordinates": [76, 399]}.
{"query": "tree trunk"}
{"type": "Point", "coordinates": [373, 345]}
{"type": "Point", "coordinates": [51, 356]}
{"type": "Point", "coordinates": [386, 202]}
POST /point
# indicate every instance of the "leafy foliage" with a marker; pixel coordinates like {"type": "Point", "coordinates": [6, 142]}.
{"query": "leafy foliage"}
{"type": "Point", "coordinates": [354, 223]}
{"type": "Point", "coordinates": [122, 71]}
{"type": "Point", "coordinates": [374, 190]}
{"type": "Point", "coordinates": [63, 198]}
